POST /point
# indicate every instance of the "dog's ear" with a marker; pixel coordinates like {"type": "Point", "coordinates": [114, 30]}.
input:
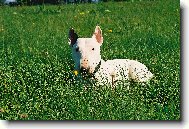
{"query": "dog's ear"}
{"type": "Point", "coordinates": [72, 37]}
{"type": "Point", "coordinates": [98, 35]}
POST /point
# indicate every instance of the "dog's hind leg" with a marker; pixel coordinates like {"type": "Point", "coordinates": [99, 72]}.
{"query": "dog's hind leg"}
{"type": "Point", "coordinates": [139, 72]}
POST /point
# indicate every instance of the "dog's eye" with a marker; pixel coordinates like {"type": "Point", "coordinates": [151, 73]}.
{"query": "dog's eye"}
{"type": "Point", "coordinates": [93, 49]}
{"type": "Point", "coordinates": [77, 49]}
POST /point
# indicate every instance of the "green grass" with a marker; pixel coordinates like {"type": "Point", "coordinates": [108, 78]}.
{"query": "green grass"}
{"type": "Point", "coordinates": [36, 79]}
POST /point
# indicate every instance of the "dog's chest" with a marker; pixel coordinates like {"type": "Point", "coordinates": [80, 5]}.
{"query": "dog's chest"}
{"type": "Point", "coordinates": [113, 70]}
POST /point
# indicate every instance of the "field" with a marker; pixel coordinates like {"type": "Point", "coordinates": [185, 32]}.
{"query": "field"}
{"type": "Point", "coordinates": [36, 67]}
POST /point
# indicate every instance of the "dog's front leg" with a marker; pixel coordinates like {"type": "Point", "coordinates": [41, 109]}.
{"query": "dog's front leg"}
{"type": "Point", "coordinates": [113, 79]}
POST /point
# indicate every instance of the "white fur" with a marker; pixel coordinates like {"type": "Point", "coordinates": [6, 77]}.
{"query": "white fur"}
{"type": "Point", "coordinates": [86, 54]}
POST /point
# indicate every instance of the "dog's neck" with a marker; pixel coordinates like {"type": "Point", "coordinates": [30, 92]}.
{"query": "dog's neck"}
{"type": "Point", "coordinates": [98, 66]}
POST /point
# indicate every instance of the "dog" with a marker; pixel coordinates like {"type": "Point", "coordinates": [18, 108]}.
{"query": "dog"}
{"type": "Point", "coordinates": [87, 58]}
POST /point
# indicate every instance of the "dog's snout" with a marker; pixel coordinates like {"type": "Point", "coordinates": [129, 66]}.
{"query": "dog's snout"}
{"type": "Point", "coordinates": [85, 63]}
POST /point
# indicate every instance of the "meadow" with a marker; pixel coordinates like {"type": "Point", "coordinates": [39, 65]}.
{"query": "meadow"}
{"type": "Point", "coordinates": [36, 66]}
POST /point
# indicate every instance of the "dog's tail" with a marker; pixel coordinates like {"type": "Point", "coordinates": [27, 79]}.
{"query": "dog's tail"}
{"type": "Point", "coordinates": [139, 72]}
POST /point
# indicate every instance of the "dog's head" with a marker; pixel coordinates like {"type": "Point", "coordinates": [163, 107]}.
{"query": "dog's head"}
{"type": "Point", "coordinates": [86, 51]}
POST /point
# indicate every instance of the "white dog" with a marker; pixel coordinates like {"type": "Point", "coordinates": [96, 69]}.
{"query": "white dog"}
{"type": "Point", "coordinates": [86, 55]}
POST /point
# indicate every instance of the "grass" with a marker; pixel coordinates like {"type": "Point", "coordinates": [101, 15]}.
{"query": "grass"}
{"type": "Point", "coordinates": [36, 68]}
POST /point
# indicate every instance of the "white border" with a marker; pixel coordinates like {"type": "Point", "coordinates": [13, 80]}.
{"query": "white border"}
{"type": "Point", "coordinates": [94, 125]}
{"type": "Point", "coordinates": [185, 62]}
{"type": "Point", "coordinates": [184, 124]}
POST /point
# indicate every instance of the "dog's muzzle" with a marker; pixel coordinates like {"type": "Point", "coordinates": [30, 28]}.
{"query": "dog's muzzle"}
{"type": "Point", "coordinates": [84, 63]}
{"type": "Point", "coordinates": [84, 70]}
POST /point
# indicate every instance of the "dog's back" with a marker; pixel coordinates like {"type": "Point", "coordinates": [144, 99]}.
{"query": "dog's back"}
{"type": "Point", "coordinates": [123, 69]}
